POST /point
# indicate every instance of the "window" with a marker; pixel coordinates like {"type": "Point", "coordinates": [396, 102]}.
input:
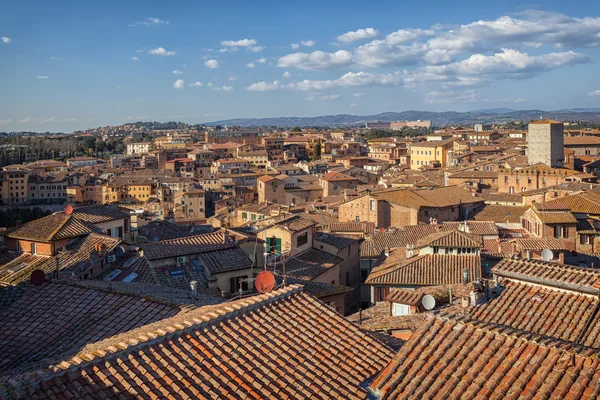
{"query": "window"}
{"type": "Point", "coordinates": [400, 309]}
{"type": "Point", "coordinates": [565, 232]}
{"type": "Point", "coordinates": [506, 179]}
{"type": "Point", "coordinates": [244, 216]}
{"type": "Point", "coordinates": [302, 239]}
{"type": "Point", "coordinates": [236, 283]}
{"type": "Point", "coordinates": [373, 205]}
{"type": "Point", "coordinates": [584, 239]}
{"type": "Point", "coordinates": [511, 189]}
{"type": "Point", "coordinates": [357, 219]}
{"type": "Point", "coordinates": [18, 249]}
{"type": "Point", "coordinates": [436, 250]}
{"type": "Point", "coordinates": [33, 248]}
{"type": "Point", "coordinates": [558, 231]}
{"type": "Point", "coordinates": [348, 278]}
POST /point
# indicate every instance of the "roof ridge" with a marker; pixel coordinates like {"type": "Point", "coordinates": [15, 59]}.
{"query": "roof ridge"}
{"type": "Point", "coordinates": [60, 226]}
{"type": "Point", "coordinates": [161, 330]}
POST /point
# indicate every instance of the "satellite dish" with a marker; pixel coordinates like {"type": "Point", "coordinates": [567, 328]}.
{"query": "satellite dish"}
{"type": "Point", "coordinates": [264, 282]}
{"type": "Point", "coordinates": [37, 277]}
{"type": "Point", "coordinates": [119, 251]}
{"type": "Point", "coordinates": [428, 302]}
{"type": "Point", "coordinates": [547, 255]}
{"type": "Point", "coordinates": [69, 210]}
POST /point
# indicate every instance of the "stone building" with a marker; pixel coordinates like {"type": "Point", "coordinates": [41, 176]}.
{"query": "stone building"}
{"type": "Point", "coordinates": [545, 140]}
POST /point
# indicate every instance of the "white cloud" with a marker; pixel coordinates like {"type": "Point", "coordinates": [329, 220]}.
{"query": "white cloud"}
{"type": "Point", "coordinates": [261, 60]}
{"type": "Point", "coordinates": [256, 49]}
{"type": "Point", "coordinates": [359, 94]}
{"type": "Point", "coordinates": [595, 93]}
{"type": "Point", "coordinates": [286, 74]}
{"type": "Point", "coordinates": [250, 65]}
{"type": "Point", "coordinates": [232, 78]}
{"type": "Point", "coordinates": [360, 34]}
{"type": "Point", "coordinates": [160, 51]}
{"type": "Point", "coordinates": [196, 84]}
{"type": "Point", "coordinates": [5, 121]}
{"type": "Point", "coordinates": [532, 29]}
{"type": "Point", "coordinates": [41, 77]}
{"type": "Point", "coordinates": [209, 84]}
{"type": "Point", "coordinates": [56, 58]}
{"type": "Point", "coordinates": [239, 43]}
{"type": "Point", "coordinates": [135, 58]}
{"type": "Point", "coordinates": [228, 49]}
{"type": "Point", "coordinates": [227, 88]}
{"type": "Point", "coordinates": [212, 64]}
{"type": "Point", "coordinates": [177, 72]}
{"type": "Point", "coordinates": [179, 84]}
{"type": "Point", "coordinates": [407, 35]}
{"type": "Point", "coordinates": [307, 43]}
{"type": "Point", "coordinates": [351, 79]}
{"type": "Point", "coordinates": [317, 60]}
{"type": "Point", "coordinates": [6, 39]}
{"type": "Point", "coordinates": [330, 97]}
{"type": "Point", "coordinates": [354, 105]}
{"type": "Point", "coordinates": [379, 53]}
{"type": "Point", "coordinates": [508, 64]}
{"type": "Point", "coordinates": [150, 22]}
{"type": "Point", "coordinates": [37, 120]}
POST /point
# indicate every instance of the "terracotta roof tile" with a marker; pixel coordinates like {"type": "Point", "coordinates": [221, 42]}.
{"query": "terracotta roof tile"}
{"type": "Point", "coordinates": [59, 318]}
{"type": "Point", "coordinates": [185, 245]}
{"type": "Point", "coordinates": [426, 270]}
{"type": "Point", "coordinates": [551, 274]}
{"type": "Point", "coordinates": [284, 344]}
{"type": "Point", "coordinates": [450, 239]}
{"type": "Point", "coordinates": [453, 358]}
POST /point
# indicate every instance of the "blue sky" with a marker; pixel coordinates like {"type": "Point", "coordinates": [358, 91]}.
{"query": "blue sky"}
{"type": "Point", "coordinates": [68, 65]}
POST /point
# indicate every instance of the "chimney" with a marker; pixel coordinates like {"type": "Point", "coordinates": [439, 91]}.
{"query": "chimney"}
{"type": "Point", "coordinates": [225, 236]}
{"type": "Point", "coordinates": [386, 251]}
{"type": "Point", "coordinates": [410, 251]}
{"type": "Point", "coordinates": [194, 287]}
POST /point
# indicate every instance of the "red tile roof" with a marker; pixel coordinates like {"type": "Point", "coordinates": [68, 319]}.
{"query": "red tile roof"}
{"type": "Point", "coordinates": [76, 254]}
{"type": "Point", "coordinates": [548, 274]}
{"type": "Point", "coordinates": [285, 344]}
{"type": "Point", "coordinates": [58, 319]}
{"type": "Point", "coordinates": [451, 358]}
{"type": "Point", "coordinates": [186, 245]}
{"type": "Point", "coordinates": [559, 314]}
{"type": "Point", "coordinates": [450, 239]}
{"type": "Point", "coordinates": [52, 227]}
{"type": "Point", "coordinates": [425, 270]}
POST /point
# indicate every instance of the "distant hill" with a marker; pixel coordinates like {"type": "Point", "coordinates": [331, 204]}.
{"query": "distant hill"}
{"type": "Point", "coordinates": [438, 118]}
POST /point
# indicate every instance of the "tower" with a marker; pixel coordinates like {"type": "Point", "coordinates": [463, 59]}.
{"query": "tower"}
{"type": "Point", "coordinates": [545, 141]}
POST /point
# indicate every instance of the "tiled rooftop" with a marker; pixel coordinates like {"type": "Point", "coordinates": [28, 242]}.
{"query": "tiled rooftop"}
{"type": "Point", "coordinates": [549, 274]}
{"type": "Point", "coordinates": [19, 269]}
{"type": "Point", "coordinates": [452, 358]}
{"type": "Point", "coordinates": [425, 270]}
{"type": "Point", "coordinates": [284, 344]}
{"type": "Point", "coordinates": [57, 319]}
{"type": "Point", "coordinates": [185, 246]}
{"type": "Point", "coordinates": [450, 239]}
{"type": "Point", "coordinates": [309, 264]}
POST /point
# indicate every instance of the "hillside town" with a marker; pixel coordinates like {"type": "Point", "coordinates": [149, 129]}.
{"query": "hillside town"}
{"type": "Point", "coordinates": [452, 262]}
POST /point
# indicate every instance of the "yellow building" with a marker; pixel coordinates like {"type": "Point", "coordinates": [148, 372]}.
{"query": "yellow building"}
{"type": "Point", "coordinates": [431, 153]}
